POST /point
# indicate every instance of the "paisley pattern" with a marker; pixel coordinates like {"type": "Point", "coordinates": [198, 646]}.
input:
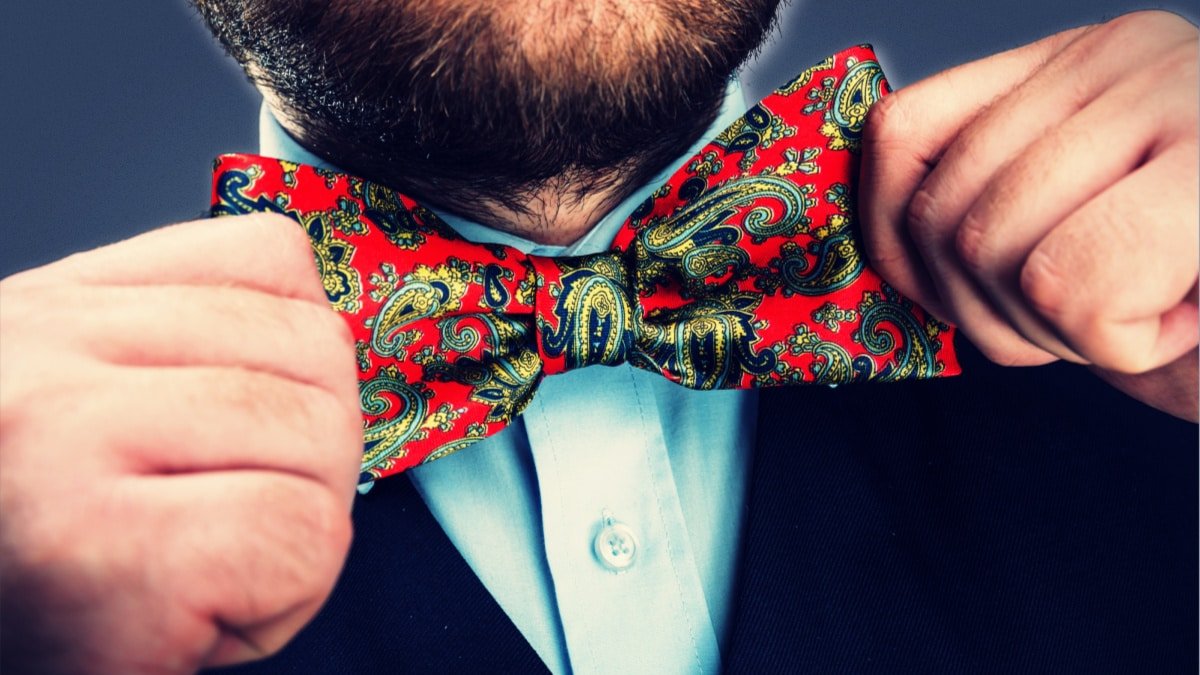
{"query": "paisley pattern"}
{"type": "Point", "coordinates": [588, 317]}
{"type": "Point", "coordinates": [744, 270]}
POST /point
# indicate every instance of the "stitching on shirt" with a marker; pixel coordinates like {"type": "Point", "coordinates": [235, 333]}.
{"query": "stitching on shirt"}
{"type": "Point", "coordinates": [574, 580]}
{"type": "Point", "coordinates": [666, 531]}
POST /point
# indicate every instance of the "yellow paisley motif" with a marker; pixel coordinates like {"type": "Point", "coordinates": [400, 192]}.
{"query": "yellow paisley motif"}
{"type": "Point", "coordinates": [805, 77]}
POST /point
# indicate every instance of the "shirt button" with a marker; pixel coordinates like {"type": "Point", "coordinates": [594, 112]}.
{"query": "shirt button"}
{"type": "Point", "coordinates": [615, 546]}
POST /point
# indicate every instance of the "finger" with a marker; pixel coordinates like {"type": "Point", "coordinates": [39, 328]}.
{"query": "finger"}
{"type": "Point", "coordinates": [1052, 93]}
{"type": "Point", "coordinates": [905, 134]}
{"type": "Point", "coordinates": [981, 151]}
{"type": "Point", "coordinates": [1143, 318]}
{"type": "Point", "coordinates": [1043, 185]}
{"type": "Point", "coordinates": [965, 304]}
{"type": "Point", "coordinates": [264, 550]}
{"type": "Point", "coordinates": [266, 252]}
{"type": "Point", "coordinates": [173, 421]}
{"type": "Point", "coordinates": [206, 326]}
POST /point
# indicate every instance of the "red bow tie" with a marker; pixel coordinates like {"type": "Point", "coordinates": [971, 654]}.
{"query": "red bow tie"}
{"type": "Point", "coordinates": [744, 270]}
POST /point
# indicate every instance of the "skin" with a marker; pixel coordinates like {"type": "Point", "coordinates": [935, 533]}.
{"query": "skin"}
{"type": "Point", "coordinates": [1045, 201]}
{"type": "Point", "coordinates": [190, 523]}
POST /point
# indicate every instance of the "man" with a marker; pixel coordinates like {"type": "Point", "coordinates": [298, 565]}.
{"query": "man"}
{"type": "Point", "coordinates": [213, 485]}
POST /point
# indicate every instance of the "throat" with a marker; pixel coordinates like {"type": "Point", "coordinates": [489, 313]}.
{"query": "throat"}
{"type": "Point", "coordinates": [551, 215]}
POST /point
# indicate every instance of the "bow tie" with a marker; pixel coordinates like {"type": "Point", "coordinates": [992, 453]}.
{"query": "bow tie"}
{"type": "Point", "coordinates": [744, 270]}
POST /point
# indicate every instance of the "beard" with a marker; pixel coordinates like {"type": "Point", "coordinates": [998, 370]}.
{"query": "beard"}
{"type": "Point", "coordinates": [469, 102]}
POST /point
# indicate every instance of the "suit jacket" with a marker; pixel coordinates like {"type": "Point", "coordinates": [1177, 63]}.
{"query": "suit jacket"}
{"type": "Point", "coordinates": [1010, 520]}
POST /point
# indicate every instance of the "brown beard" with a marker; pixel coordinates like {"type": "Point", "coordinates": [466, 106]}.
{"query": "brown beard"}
{"type": "Point", "coordinates": [458, 102]}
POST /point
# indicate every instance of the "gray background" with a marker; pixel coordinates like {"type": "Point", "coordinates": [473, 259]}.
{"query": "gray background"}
{"type": "Point", "coordinates": [112, 110]}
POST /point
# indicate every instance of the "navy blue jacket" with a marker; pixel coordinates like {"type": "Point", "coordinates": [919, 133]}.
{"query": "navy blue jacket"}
{"type": "Point", "coordinates": [1009, 520]}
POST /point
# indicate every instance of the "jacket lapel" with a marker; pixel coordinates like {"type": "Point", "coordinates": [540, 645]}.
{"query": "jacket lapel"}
{"type": "Point", "coordinates": [406, 602]}
{"type": "Point", "coordinates": [1007, 520]}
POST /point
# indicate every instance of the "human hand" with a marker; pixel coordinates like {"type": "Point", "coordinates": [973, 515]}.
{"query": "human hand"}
{"type": "Point", "coordinates": [1045, 200]}
{"type": "Point", "coordinates": [178, 453]}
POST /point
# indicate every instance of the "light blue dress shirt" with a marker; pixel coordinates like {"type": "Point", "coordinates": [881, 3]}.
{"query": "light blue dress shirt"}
{"type": "Point", "coordinates": [606, 521]}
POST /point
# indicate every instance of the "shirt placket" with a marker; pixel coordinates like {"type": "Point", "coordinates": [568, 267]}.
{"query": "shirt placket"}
{"type": "Point", "coordinates": [616, 541]}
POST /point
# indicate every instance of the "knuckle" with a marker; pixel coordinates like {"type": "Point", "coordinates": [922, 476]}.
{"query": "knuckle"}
{"type": "Point", "coordinates": [271, 224]}
{"type": "Point", "coordinates": [331, 522]}
{"type": "Point", "coordinates": [1116, 28]}
{"type": "Point", "coordinates": [21, 280]}
{"type": "Point", "coordinates": [1046, 287]}
{"type": "Point", "coordinates": [884, 258]}
{"type": "Point", "coordinates": [337, 428]}
{"type": "Point", "coordinates": [333, 426]}
{"type": "Point", "coordinates": [295, 540]}
{"type": "Point", "coordinates": [310, 404]}
{"type": "Point", "coordinates": [1180, 59]}
{"type": "Point", "coordinates": [1134, 28]}
{"type": "Point", "coordinates": [921, 217]}
{"type": "Point", "coordinates": [976, 244]}
{"type": "Point", "coordinates": [308, 323]}
{"type": "Point", "coordinates": [326, 524]}
{"type": "Point", "coordinates": [334, 333]}
{"type": "Point", "coordinates": [886, 121]}
{"type": "Point", "coordinates": [35, 316]}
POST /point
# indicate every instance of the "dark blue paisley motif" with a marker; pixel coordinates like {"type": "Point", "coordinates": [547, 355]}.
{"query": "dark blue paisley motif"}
{"type": "Point", "coordinates": [857, 92]}
{"type": "Point", "coordinates": [495, 293]}
{"type": "Point", "coordinates": [862, 85]}
{"type": "Point", "coordinates": [503, 379]}
{"type": "Point", "coordinates": [745, 134]}
{"type": "Point", "coordinates": [333, 261]}
{"type": "Point", "coordinates": [594, 316]}
{"type": "Point", "coordinates": [332, 254]}
{"type": "Point", "coordinates": [415, 300]}
{"type": "Point", "coordinates": [232, 199]}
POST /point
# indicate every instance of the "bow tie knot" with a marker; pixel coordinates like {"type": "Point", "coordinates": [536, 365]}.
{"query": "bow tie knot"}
{"type": "Point", "coordinates": [586, 311]}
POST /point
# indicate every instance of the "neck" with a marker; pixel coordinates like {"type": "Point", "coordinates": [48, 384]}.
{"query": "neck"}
{"type": "Point", "coordinates": [556, 215]}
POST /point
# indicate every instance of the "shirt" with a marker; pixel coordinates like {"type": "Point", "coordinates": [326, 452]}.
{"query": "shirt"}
{"type": "Point", "coordinates": [606, 520]}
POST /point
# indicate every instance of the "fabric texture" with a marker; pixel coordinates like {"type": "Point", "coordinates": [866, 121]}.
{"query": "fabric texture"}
{"type": "Point", "coordinates": [742, 271]}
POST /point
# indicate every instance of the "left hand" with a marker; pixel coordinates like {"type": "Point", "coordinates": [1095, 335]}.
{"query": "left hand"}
{"type": "Point", "coordinates": [1045, 200]}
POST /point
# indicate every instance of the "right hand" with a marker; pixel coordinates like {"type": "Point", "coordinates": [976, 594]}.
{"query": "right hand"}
{"type": "Point", "coordinates": [179, 444]}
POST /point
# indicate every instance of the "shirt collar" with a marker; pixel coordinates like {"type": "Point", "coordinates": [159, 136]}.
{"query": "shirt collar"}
{"type": "Point", "coordinates": [275, 142]}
